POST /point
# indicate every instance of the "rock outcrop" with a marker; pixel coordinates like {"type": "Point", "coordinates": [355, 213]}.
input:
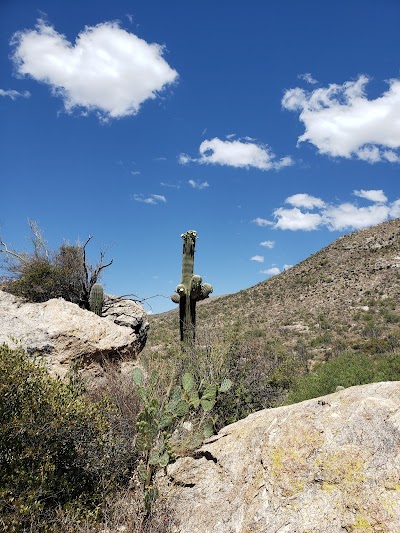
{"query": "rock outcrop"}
{"type": "Point", "coordinates": [127, 313]}
{"type": "Point", "coordinates": [65, 334]}
{"type": "Point", "coordinates": [325, 465]}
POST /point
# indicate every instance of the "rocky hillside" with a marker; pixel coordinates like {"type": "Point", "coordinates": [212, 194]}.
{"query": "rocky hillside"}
{"type": "Point", "coordinates": [346, 296]}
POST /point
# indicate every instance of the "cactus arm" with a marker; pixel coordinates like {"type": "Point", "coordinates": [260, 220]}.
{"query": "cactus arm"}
{"type": "Point", "coordinates": [205, 291]}
{"type": "Point", "coordinates": [175, 298]}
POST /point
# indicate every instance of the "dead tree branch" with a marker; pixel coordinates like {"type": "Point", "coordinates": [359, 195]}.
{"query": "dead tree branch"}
{"type": "Point", "coordinates": [13, 254]}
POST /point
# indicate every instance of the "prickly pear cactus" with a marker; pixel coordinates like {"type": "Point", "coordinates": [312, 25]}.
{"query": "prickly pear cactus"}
{"type": "Point", "coordinates": [157, 421]}
{"type": "Point", "coordinates": [96, 298]}
{"type": "Point", "coordinates": [190, 290]}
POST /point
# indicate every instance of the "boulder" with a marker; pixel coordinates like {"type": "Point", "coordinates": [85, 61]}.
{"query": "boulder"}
{"type": "Point", "coordinates": [127, 313]}
{"type": "Point", "coordinates": [325, 465]}
{"type": "Point", "coordinates": [65, 334]}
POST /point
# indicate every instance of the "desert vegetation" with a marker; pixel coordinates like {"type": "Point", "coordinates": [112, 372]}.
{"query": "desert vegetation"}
{"type": "Point", "coordinates": [68, 457]}
{"type": "Point", "coordinates": [40, 273]}
{"type": "Point", "coordinates": [77, 460]}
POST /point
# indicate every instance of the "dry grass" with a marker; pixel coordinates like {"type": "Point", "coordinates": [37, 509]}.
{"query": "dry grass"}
{"type": "Point", "coordinates": [122, 512]}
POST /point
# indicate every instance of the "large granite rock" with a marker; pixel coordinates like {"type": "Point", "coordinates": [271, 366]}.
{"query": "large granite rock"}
{"type": "Point", "coordinates": [64, 333]}
{"type": "Point", "coordinates": [322, 466]}
{"type": "Point", "coordinates": [127, 313]}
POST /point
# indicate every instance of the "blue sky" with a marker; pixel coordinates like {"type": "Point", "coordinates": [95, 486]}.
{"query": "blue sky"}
{"type": "Point", "coordinates": [271, 128]}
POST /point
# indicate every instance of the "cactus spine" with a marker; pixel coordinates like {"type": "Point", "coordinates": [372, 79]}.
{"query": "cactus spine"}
{"type": "Point", "coordinates": [189, 291]}
{"type": "Point", "coordinates": [96, 298]}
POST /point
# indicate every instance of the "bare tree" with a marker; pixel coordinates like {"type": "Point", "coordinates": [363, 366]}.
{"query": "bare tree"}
{"type": "Point", "coordinates": [92, 273]}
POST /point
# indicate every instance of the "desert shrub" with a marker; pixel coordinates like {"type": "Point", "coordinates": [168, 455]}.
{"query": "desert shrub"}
{"type": "Point", "coordinates": [260, 368]}
{"type": "Point", "coordinates": [40, 280]}
{"type": "Point", "coordinates": [346, 370]}
{"type": "Point", "coordinates": [390, 317]}
{"type": "Point", "coordinates": [390, 342]}
{"type": "Point", "coordinates": [375, 346]}
{"type": "Point", "coordinates": [58, 448]}
{"type": "Point", "coordinates": [319, 340]}
{"type": "Point", "coordinates": [254, 333]}
{"type": "Point", "coordinates": [372, 329]}
{"type": "Point", "coordinates": [42, 274]}
{"type": "Point", "coordinates": [393, 339]}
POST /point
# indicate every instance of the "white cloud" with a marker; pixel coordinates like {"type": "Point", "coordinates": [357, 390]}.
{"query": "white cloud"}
{"type": "Point", "coordinates": [370, 154]}
{"type": "Point", "coordinates": [339, 217]}
{"type": "Point", "coordinates": [268, 244]}
{"type": "Point", "coordinates": [373, 195]}
{"type": "Point", "coordinates": [262, 222]}
{"type": "Point", "coordinates": [349, 216]}
{"type": "Point", "coordinates": [184, 159]}
{"type": "Point", "coordinates": [391, 156]}
{"type": "Point", "coordinates": [152, 199]}
{"type": "Point", "coordinates": [11, 93]}
{"type": "Point", "coordinates": [304, 200]}
{"type": "Point", "coordinates": [294, 219]}
{"type": "Point", "coordinates": [308, 78]}
{"type": "Point", "coordinates": [198, 184]}
{"type": "Point", "coordinates": [395, 209]}
{"type": "Point", "coordinates": [342, 122]}
{"type": "Point", "coordinates": [171, 185]}
{"type": "Point", "coordinates": [257, 258]}
{"type": "Point", "coordinates": [159, 197]}
{"type": "Point", "coordinates": [107, 69]}
{"type": "Point", "coordinates": [237, 153]}
{"type": "Point", "coordinates": [273, 271]}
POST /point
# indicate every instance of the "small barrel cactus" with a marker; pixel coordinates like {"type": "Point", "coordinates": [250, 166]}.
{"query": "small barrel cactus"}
{"type": "Point", "coordinates": [96, 298]}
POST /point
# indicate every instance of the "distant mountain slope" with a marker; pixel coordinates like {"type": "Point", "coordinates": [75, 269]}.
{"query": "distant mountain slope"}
{"type": "Point", "coordinates": [344, 296]}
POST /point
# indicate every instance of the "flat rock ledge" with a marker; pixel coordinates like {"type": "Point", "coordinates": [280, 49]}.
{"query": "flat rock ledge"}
{"type": "Point", "coordinates": [326, 465]}
{"type": "Point", "coordinates": [66, 334]}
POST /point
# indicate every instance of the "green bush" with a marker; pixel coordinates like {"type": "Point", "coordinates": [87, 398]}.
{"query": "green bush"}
{"type": "Point", "coordinates": [346, 370]}
{"type": "Point", "coordinates": [58, 449]}
{"type": "Point", "coordinates": [40, 278]}
{"type": "Point", "coordinates": [40, 281]}
{"type": "Point", "coordinates": [43, 274]}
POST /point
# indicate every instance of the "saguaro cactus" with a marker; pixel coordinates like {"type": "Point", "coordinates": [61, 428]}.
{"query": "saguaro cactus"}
{"type": "Point", "coordinates": [190, 290]}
